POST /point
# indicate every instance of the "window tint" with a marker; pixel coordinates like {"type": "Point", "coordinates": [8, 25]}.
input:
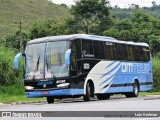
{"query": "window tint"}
{"type": "Point", "coordinates": [120, 52]}
{"type": "Point", "coordinates": [76, 46]}
{"type": "Point", "coordinates": [109, 50]}
{"type": "Point", "coordinates": [146, 53]}
{"type": "Point", "coordinates": [138, 53]}
{"type": "Point", "coordinates": [87, 49]}
{"type": "Point", "coordinates": [98, 49]}
{"type": "Point", "coordinates": [129, 53]}
{"type": "Point", "coordinates": [73, 62]}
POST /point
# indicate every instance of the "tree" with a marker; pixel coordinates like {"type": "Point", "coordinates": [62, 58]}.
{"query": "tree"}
{"type": "Point", "coordinates": [89, 12]}
{"type": "Point", "coordinates": [154, 41]}
{"type": "Point", "coordinates": [124, 24]}
{"type": "Point", "coordinates": [41, 29]}
{"type": "Point", "coordinates": [13, 40]}
{"type": "Point", "coordinates": [154, 4]}
{"type": "Point", "coordinates": [112, 32]}
{"type": "Point", "coordinates": [58, 28]}
{"type": "Point", "coordinates": [134, 6]}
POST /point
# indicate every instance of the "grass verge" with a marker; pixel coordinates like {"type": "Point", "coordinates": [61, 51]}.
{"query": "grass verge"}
{"type": "Point", "coordinates": [149, 93]}
{"type": "Point", "coordinates": [5, 98]}
{"type": "Point", "coordinates": [14, 93]}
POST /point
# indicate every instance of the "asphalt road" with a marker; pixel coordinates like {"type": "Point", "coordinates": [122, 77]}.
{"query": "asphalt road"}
{"type": "Point", "coordinates": [115, 103]}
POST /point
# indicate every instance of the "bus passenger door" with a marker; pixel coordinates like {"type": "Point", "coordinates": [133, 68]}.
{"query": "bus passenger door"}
{"type": "Point", "coordinates": [73, 74]}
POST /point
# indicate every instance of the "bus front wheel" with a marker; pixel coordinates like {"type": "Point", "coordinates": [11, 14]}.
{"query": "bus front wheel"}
{"type": "Point", "coordinates": [50, 100]}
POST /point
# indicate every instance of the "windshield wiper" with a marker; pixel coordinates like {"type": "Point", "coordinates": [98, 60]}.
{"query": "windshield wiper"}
{"type": "Point", "coordinates": [38, 63]}
{"type": "Point", "coordinates": [47, 64]}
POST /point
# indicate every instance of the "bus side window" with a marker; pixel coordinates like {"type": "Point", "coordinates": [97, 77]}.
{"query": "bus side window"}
{"type": "Point", "coordinates": [76, 46]}
{"type": "Point", "coordinates": [98, 49]}
{"type": "Point", "coordinates": [138, 53]}
{"type": "Point", "coordinates": [87, 49]}
{"type": "Point", "coordinates": [129, 52]}
{"type": "Point", "coordinates": [120, 51]}
{"type": "Point", "coordinates": [146, 54]}
{"type": "Point", "coordinates": [109, 51]}
{"type": "Point", "coordinates": [73, 62]}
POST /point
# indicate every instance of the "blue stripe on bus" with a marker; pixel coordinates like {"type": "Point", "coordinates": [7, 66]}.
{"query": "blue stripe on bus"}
{"type": "Point", "coordinates": [127, 89]}
{"type": "Point", "coordinates": [62, 92]}
{"type": "Point", "coordinates": [145, 87]}
{"type": "Point", "coordinates": [110, 64]}
{"type": "Point", "coordinates": [111, 70]}
{"type": "Point", "coordinates": [106, 80]}
{"type": "Point", "coordinates": [107, 84]}
{"type": "Point", "coordinates": [120, 89]}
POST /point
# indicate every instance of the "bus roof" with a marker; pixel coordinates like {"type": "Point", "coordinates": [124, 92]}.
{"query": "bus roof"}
{"type": "Point", "coordinates": [84, 36]}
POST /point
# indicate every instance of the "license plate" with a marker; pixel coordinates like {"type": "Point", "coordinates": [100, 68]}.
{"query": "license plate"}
{"type": "Point", "coordinates": [44, 92]}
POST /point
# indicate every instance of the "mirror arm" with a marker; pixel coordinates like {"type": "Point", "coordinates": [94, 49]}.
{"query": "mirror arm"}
{"type": "Point", "coordinates": [23, 54]}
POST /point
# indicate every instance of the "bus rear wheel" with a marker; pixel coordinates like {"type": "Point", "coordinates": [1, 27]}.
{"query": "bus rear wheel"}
{"type": "Point", "coordinates": [103, 96]}
{"type": "Point", "coordinates": [50, 100]}
{"type": "Point", "coordinates": [135, 90]}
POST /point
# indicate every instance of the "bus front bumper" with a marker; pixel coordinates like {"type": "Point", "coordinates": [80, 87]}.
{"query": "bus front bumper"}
{"type": "Point", "coordinates": [61, 92]}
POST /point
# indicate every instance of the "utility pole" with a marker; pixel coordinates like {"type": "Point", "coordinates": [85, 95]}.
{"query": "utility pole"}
{"type": "Point", "coordinates": [20, 27]}
{"type": "Point", "coordinates": [21, 46]}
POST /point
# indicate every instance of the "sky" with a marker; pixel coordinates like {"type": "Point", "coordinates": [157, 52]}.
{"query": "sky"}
{"type": "Point", "coordinates": [120, 3]}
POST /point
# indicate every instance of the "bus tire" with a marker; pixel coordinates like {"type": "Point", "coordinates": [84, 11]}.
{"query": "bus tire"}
{"type": "Point", "coordinates": [87, 97]}
{"type": "Point", "coordinates": [50, 100]}
{"type": "Point", "coordinates": [103, 96]}
{"type": "Point", "coordinates": [128, 95]}
{"type": "Point", "coordinates": [135, 90]}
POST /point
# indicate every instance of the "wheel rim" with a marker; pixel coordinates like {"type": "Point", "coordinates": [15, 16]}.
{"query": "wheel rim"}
{"type": "Point", "coordinates": [89, 90]}
{"type": "Point", "coordinates": [136, 89]}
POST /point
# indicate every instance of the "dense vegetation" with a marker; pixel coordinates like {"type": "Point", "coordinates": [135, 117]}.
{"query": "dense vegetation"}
{"type": "Point", "coordinates": [8, 75]}
{"type": "Point", "coordinates": [156, 74]}
{"type": "Point", "coordinates": [138, 24]}
{"type": "Point", "coordinates": [125, 12]}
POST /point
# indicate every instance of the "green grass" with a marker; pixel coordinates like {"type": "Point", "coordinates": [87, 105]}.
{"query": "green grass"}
{"type": "Point", "coordinates": [31, 11]}
{"type": "Point", "coordinates": [14, 93]}
{"type": "Point", "coordinates": [5, 98]}
{"type": "Point", "coordinates": [149, 93]}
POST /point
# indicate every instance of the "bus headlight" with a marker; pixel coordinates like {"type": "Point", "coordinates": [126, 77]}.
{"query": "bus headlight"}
{"type": "Point", "coordinates": [63, 85]}
{"type": "Point", "coordinates": [29, 87]}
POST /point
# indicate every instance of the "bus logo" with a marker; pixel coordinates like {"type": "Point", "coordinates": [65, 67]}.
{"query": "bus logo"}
{"type": "Point", "coordinates": [134, 68]}
{"type": "Point", "coordinates": [45, 83]}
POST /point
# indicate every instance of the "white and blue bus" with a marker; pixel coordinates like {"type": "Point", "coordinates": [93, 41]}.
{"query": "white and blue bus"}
{"type": "Point", "coordinates": [85, 65]}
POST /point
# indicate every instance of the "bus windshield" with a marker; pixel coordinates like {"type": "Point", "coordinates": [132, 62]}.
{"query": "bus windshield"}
{"type": "Point", "coordinates": [46, 60]}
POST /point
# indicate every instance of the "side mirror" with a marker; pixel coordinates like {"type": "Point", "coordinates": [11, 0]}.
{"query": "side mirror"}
{"type": "Point", "coordinates": [67, 57]}
{"type": "Point", "coordinates": [16, 59]}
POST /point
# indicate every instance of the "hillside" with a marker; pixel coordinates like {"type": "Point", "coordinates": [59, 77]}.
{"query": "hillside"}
{"type": "Point", "coordinates": [30, 11]}
{"type": "Point", "coordinates": [122, 13]}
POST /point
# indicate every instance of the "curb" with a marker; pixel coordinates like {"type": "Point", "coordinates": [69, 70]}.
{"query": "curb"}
{"type": "Point", "coordinates": [153, 98]}
{"type": "Point", "coordinates": [23, 102]}
{"type": "Point", "coordinates": [38, 101]}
